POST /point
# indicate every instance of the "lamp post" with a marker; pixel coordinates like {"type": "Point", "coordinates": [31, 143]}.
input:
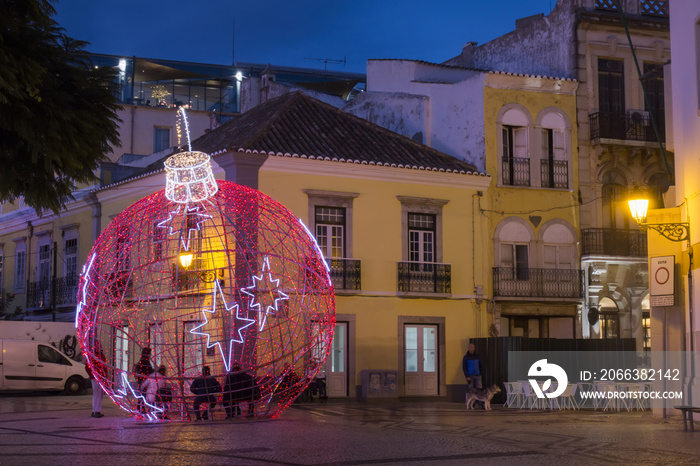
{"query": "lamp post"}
{"type": "Point", "coordinates": [679, 231]}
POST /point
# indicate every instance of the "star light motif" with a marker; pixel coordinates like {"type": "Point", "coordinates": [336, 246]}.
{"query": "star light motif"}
{"type": "Point", "coordinates": [127, 389]}
{"type": "Point", "coordinates": [240, 324]}
{"type": "Point", "coordinates": [200, 217]}
{"type": "Point", "coordinates": [266, 298]}
{"type": "Point", "coordinates": [85, 273]}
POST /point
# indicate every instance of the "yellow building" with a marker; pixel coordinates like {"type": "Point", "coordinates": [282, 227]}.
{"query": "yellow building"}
{"type": "Point", "coordinates": [395, 219]}
{"type": "Point", "coordinates": [530, 135]}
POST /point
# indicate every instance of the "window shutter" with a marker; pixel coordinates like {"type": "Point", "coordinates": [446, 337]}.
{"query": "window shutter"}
{"type": "Point", "coordinates": [559, 145]}
{"type": "Point", "coordinates": [520, 143]}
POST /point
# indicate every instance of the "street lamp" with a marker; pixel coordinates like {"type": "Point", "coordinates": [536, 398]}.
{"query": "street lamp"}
{"type": "Point", "coordinates": [673, 231]}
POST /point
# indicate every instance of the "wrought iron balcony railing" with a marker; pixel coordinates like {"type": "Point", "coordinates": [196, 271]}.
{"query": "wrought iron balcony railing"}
{"type": "Point", "coordinates": [58, 292]}
{"type": "Point", "coordinates": [516, 171]}
{"type": "Point", "coordinates": [634, 127]}
{"type": "Point", "coordinates": [612, 242]}
{"type": "Point", "coordinates": [647, 7]}
{"type": "Point", "coordinates": [345, 273]}
{"type": "Point", "coordinates": [537, 283]}
{"type": "Point", "coordinates": [425, 277]}
{"type": "Point", "coordinates": [554, 173]}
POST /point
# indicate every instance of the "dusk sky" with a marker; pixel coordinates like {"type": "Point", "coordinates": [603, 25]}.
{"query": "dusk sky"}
{"type": "Point", "coordinates": [286, 33]}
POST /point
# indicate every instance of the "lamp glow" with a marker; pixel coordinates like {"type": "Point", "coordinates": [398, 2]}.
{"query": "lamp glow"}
{"type": "Point", "coordinates": [186, 260]}
{"type": "Point", "coordinates": [638, 208]}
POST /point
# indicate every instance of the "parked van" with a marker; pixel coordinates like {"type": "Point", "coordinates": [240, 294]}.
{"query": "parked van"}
{"type": "Point", "coordinates": [30, 365]}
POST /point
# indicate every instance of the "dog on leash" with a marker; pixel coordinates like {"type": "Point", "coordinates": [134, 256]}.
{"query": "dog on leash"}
{"type": "Point", "coordinates": [483, 395]}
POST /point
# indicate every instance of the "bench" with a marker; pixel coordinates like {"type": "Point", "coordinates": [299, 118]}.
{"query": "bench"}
{"type": "Point", "coordinates": [688, 416]}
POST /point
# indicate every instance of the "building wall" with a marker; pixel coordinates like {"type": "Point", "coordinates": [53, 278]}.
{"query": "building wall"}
{"type": "Point", "coordinates": [379, 310]}
{"type": "Point", "coordinates": [446, 107]}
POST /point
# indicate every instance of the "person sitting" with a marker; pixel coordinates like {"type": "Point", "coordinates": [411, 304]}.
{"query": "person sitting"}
{"type": "Point", "coordinates": [238, 389]}
{"type": "Point", "coordinates": [157, 392]}
{"type": "Point", "coordinates": [205, 388]}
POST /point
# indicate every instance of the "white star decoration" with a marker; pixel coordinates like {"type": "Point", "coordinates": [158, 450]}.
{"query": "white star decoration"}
{"type": "Point", "coordinates": [240, 323]}
{"type": "Point", "coordinates": [184, 230]}
{"type": "Point", "coordinates": [127, 389]}
{"type": "Point", "coordinates": [269, 292]}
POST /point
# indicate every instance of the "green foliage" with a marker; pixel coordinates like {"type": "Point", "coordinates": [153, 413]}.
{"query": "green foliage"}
{"type": "Point", "coordinates": [57, 111]}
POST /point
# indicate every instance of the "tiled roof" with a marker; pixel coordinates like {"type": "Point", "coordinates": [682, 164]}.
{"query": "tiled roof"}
{"type": "Point", "coordinates": [295, 124]}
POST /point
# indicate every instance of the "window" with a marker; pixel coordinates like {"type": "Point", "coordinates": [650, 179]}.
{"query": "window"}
{"type": "Point", "coordinates": [421, 269]}
{"type": "Point", "coordinates": [20, 264]}
{"type": "Point", "coordinates": [158, 241]}
{"type": "Point", "coordinates": [654, 85]}
{"type": "Point", "coordinates": [71, 257]}
{"type": "Point", "coordinates": [515, 258]}
{"type": "Point", "coordinates": [50, 355]}
{"type": "Point", "coordinates": [330, 231]}
{"type": "Point", "coordinates": [161, 138]}
{"type": "Point", "coordinates": [554, 162]}
{"type": "Point", "coordinates": [611, 86]}
{"type": "Point", "coordinates": [609, 319]}
{"type": "Point", "coordinates": [121, 348]}
{"type": "Point", "coordinates": [516, 165]}
{"type": "Point", "coordinates": [2, 275]}
{"type": "Point", "coordinates": [44, 265]}
{"type": "Point", "coordinates": [616, 212]}
{"type": "Point", "coordinates": [646, 330]}
{"type": "Point", "coordinates": [421, 237]}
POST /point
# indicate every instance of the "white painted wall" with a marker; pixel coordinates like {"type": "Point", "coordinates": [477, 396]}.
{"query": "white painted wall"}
{"type": "Point", "coordinates": [444, 105]}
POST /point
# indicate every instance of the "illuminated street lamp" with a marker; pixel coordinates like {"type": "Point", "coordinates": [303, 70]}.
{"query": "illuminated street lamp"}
{"type": "Point", "coordinates": [673, 231]}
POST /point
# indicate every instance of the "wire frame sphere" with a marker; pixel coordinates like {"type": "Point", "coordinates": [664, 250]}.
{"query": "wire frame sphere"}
{"type": "Point", "coordinates": [234, 283]}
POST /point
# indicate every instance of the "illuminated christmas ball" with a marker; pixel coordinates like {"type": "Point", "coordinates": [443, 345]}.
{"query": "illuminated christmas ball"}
{"type": "Point", "coordinates": [209, 274]}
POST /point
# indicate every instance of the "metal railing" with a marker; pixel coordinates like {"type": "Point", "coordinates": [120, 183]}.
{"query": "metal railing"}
{"type": "Point", "coordinates": [613, 242]}
{"type": "Point", "coordinates": [516, 171]}
{"type": "Point", "coordinates": [538, 283]}
{"type": "Point", "coordinates": [635, 127]}
{"type": "Point", "coordinates": [59, 292]}
{"type": "Point", "coordinates": [655, 7]}
{"type": "Point", "coordinates": [554, 173]}
{"type": "Point", "coordinates": [346, 274]}
{"type": "Point", "coordinates": [425, 277]}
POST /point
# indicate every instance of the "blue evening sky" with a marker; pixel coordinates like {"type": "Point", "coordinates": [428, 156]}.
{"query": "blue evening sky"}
{"type": "Point", "coordinates": [287, 33]}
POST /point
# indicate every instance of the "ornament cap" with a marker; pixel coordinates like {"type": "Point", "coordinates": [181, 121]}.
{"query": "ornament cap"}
{"type": "Point", "coordinates": [189, 177]}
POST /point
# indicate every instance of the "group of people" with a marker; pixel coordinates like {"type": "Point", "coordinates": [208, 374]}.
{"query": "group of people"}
{"type": "Point", "coordinates": [238, 389]}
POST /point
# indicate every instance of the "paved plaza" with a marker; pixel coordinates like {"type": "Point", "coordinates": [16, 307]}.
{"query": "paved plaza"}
{"type": "Point", "coordinates": [56, 429]}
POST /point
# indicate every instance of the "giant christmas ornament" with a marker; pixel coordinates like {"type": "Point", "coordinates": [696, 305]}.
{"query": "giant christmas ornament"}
{"type": "Point", "coordinates": [205, 273]}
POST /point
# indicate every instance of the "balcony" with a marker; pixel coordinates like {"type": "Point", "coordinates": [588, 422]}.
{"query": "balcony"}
{"type": "Point", "coordinates": [345, 273]}
{"type": "Point", "coordinates": [634, 127]}
{"type": "Point", "coordinates": [554, 173]}
{"type": "Point", "coordinates": [516, 171]}
{"type": "Point", "coordinates": [425, 277]}
{"type": "Point", "coordinates": [537, 283]}
{"type": "Point", "coordinates": [612, 242]}
{"type": "Point", "coordinates": [57, 292]}
{"type": "Point", "coordinates": [646, 7]}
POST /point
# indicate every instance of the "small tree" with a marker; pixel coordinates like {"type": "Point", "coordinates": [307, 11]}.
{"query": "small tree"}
{"type": "Point", "coordinates": [57, 111]}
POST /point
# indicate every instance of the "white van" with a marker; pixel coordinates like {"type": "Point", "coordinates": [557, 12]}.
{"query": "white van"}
{"type": "Point", "coordinates": [29, 365]}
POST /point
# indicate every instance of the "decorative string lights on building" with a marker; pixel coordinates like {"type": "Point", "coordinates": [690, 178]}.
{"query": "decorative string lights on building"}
{"type": "Point", "coordinates": [205, 274]}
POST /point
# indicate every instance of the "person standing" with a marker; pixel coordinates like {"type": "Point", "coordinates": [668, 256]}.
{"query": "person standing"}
{"type": "Point", "coordinates": [96, 365]}
{"type": "Point", "coordinates": [205, 388]}
{"type": "Point", "coordinates": [238, 388]}
{"type": "Point", "coordinates": [473, 368]}
{"type": "Point", "coordinates": [142, 370]}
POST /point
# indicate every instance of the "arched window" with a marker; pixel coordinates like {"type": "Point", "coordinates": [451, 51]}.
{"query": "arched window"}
{"type": "Point", "coordinates": [616, 213]}
{"type": "Point", "coordinates": [609, 319]}
{"type": "Point", "coordinates": [515, 152]}
{"type": "Point", "coordinates": [513, 244]}
{"type": "Point", "coordinates": [555, 150]}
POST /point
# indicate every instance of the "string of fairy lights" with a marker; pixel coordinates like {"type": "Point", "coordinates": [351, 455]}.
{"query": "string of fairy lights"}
{"type": "Point", "coordinates": [205, 274]}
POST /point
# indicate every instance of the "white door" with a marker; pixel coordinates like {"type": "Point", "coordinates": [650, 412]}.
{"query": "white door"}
{"type": "Point", "coordinates": [337, 362]}
{"type": "Point", "coordinates": [421, 378]}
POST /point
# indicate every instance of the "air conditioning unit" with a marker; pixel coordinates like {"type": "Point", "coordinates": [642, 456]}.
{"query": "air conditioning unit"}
{"type": "Point", "coordinates": [638, 115]}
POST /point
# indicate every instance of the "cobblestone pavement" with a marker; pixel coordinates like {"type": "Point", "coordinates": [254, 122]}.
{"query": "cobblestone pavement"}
{"type": "Point", "coordinates": [52, 429]}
